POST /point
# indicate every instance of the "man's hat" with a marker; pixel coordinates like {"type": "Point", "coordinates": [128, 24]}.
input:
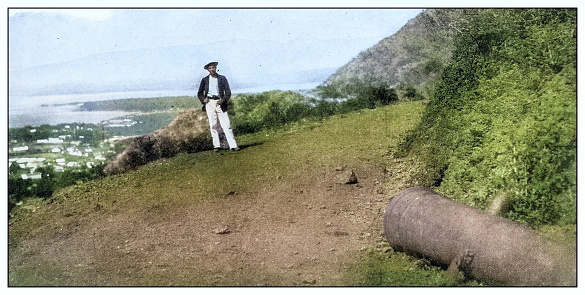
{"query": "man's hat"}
{"type": "Point", "coordinates": [213, 63]}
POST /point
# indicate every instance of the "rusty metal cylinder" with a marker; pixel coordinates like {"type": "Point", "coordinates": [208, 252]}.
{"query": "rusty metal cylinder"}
{"type": "Point", "coordinates": [490, 248]}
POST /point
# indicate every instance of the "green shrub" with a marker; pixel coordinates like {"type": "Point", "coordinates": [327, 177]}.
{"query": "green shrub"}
{"type": "Point", "coordinates": [502, 122]}
{"type": "Point", "coordinates": [20, 189]}
{"type": "Point", "coordinates": [254, 112]}
{"type": "Point", "coordinates": [399, 269]}
{"type": "Point", "coordinates": [409, 92]}
{"type": "Point", "coordinates": [329, 91]}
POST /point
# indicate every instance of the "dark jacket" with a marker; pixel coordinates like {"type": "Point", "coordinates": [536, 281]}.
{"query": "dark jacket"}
{"type": "Point", "coordinates": [224, 91]}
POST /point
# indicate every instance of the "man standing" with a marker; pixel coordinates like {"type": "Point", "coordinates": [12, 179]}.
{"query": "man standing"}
{"type": "Point", "coordinates": [214, 94]}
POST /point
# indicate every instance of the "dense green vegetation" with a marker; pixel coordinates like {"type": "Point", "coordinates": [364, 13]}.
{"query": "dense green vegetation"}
{"type": "Point", "coordinates": [502, 123]}
{"type": "Point", "coordinates": [388, 268]}
{"type": "Point", "coordinates": [255, 112]}
{"type": "Point", "coordinates": [50, 181]}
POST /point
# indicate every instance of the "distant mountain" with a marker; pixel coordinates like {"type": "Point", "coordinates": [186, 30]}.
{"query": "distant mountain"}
{"type": "Point", "coordinates": [246, 63]}
{"type": "Point", "coordinates": [415, 55]}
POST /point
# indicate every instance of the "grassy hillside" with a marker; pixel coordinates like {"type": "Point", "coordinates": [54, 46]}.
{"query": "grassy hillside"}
{"type": "Point", "coordinates": [277, 213]}
{"type": "Point", "coordinates": [412, 59]}
{"type": "Point", "coordinates": [500, 132]}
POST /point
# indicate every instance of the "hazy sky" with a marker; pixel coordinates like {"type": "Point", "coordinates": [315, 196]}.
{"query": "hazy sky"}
{"type": "Point", "coordinates": [43, 36]}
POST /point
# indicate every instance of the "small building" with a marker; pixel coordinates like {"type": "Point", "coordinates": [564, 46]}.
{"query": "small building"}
{"type": "Point", "coordinates": [50, 140]}
{"type": "Point", "coordinates": [20, 148]}
{"type": "Point", "coordinates": [31, 176]}
{"type": "Point", "coordinates": [74, 152]}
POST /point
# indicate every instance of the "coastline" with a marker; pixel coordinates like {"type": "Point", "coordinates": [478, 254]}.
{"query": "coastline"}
{"type": "Point", "coordinates": [36, 110]}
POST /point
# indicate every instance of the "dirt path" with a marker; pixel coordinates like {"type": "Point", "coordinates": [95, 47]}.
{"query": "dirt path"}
{"type": "Point", "coordinates": [302, 226]}
{"type": "Point", "coordinates": [307, 229]}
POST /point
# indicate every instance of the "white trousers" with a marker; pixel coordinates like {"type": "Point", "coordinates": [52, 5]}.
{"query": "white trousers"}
{"type": "Point", "coordinates": [218, 120]}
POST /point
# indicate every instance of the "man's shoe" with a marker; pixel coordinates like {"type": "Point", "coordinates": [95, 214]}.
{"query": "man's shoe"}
{"type": "Point", "coordinates": [216, 150]}
{"type": "Point", "coordinates": [236, 149]}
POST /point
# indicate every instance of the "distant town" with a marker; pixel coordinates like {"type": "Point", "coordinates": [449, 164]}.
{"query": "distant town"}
{"type": "Point", "coordinates": [79, 146]}
{"type": "Point", "coordinates": [65, 146]}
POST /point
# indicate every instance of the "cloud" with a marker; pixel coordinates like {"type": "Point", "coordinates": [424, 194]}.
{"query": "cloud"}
{"type": "Point", "coordinates": [88, 14]}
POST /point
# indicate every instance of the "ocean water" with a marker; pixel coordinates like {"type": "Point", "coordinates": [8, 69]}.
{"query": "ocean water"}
{"type": "Point", "coordinates": [25, 110]}
{"type": "Point", "coordinates": [53, 115]}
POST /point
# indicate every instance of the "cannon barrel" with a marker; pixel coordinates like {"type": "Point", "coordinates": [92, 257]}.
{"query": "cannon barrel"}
{"type": "Point", "coordinates": [490, 248]}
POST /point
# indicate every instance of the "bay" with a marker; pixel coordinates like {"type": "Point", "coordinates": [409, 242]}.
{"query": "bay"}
{"type": "Point", "coordinates": [36, 110]}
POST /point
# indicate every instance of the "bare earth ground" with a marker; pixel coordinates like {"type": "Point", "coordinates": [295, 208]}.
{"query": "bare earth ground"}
{"type": "Point", "coordinates": [302, 226]}
{"type": "Point", "coordinates": [307, 229]}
